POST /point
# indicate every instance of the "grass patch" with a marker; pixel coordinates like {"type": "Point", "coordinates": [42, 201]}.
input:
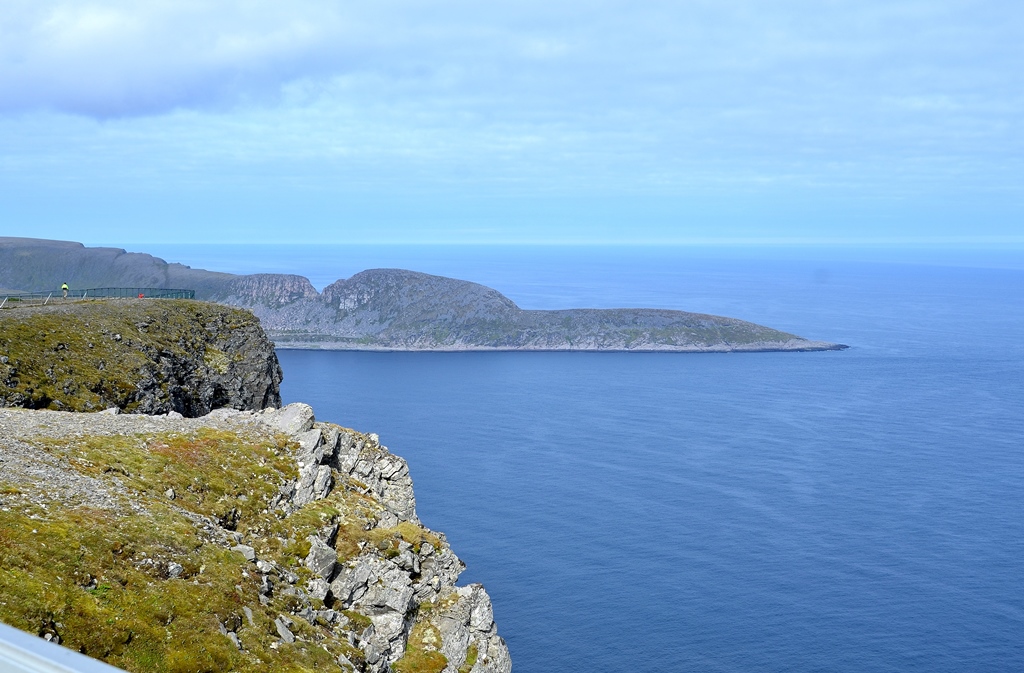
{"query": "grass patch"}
{"type": "Point", "coordinates": [216, 359]}
{"type": "Point", "coordinates": [146, 589]}
{"type": "Point", "coordinates": [213, 473]}
{"type": "Point", "coordinates": [360, 621]}
{"type": "Point", "coordinates": [421, 651]}
{"type": "Point", "coordinates": [105, 582]}
{"type": "Point", "coordinates": [361, 511]}
{"type": "Point", "coordinates": [100, 580]}
{"type": "Point", "coordinates": [471, 655]}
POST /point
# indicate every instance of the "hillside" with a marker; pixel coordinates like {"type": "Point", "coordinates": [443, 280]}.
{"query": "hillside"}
{"type": "Point", "coordinates": [250, 539]}
{"type": "Point", "coordinates": [32, 264]}
{"type": "Point", "coordinates": [396, 309]}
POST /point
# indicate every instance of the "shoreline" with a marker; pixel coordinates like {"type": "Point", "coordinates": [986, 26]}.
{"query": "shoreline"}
{"type": "Point", "coordinates": [815, 347]}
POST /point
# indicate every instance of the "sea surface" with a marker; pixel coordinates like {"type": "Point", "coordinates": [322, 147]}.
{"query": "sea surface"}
{"type": "Point", "coordinates": [857, 511]}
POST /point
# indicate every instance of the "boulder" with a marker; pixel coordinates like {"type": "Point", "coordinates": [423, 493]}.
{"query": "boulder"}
{"type": "Point", "coordinates": [291, 420]}
{"type": "Point", "coordinates": [321, 558]}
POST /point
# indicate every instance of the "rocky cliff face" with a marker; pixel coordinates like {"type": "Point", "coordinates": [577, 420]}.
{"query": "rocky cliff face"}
{"type": "Point", "coordinates": [239, 541]}
{"type": "Point", "coordinates": [266, 289]}
{"type": "Point", "coordinates": [407, 590]}
{"type": "Point", "coordinates": [140, 355]}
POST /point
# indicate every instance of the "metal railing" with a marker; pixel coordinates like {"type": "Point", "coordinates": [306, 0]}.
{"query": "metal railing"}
{"type": "Point", "coordinates": [24, 653]}
{"type": "Point", "coordinates": [42, 298]}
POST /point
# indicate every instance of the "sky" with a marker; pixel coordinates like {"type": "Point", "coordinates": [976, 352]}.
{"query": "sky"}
{"type": "Point", "coordinates": [401, 121]}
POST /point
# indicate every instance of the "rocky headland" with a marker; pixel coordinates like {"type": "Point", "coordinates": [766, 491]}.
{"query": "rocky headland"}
{"type": "Point", "coordinates": [140, 355]}
{"type": "Point", "coordinates": [394, 309]}
{"type": "Point", "coordinates": [243, 538]}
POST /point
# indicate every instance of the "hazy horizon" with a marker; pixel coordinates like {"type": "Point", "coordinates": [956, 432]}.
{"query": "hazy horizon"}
{"type": "Point", "coordinates": [610, 122]}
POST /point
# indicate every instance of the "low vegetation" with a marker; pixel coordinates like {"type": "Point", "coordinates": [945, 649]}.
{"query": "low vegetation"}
{"type": "Point", "coordinates": [421, 655]}
{"type": "Point", "coordinates": [140, 355]}
{"type": "Point", "coordinates": [150, 587]}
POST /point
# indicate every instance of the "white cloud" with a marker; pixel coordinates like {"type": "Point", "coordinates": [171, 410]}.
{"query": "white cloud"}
{"type": "Point", "coordinates": [656, 95]}
{"type": "Point", "coordinates": [124, 58]}
{"type": "Point", "coordinates": [115, 57]}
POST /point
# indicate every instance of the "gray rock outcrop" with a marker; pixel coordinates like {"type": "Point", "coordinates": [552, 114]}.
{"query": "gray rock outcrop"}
{"type": "Point", "coordinates": [390, 589]}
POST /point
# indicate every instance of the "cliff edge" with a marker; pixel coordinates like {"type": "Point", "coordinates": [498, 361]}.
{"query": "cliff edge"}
{"type": "Point", "coordinates": [254, 539]}
{"type": "Point", "coordinates": [139, 355]}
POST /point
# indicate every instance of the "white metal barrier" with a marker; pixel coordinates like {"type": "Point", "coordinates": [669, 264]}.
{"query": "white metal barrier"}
{"type": "Point", "coordinates": [21, 652]}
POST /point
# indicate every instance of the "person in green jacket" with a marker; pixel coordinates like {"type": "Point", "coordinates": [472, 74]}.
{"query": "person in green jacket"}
{"type": "Point", "coordinates": [64, 289]}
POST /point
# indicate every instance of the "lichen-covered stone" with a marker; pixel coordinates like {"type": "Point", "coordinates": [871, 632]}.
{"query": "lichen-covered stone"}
{"type": "Point", "coordinates": [465, 620]}
{"type": "Point", "coordinates": [321, 558]}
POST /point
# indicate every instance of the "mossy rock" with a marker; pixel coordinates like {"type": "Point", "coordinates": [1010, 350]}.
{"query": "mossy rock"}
{"type": "Point", "coordinates": [139, 355]}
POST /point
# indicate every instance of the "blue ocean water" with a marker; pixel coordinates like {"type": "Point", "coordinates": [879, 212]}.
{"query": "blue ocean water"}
{"type": "Point", "coordinates": [845, 511]}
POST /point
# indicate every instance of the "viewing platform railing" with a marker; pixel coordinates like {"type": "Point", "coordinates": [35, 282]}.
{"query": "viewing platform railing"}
{"type": "Point", "coordinates": [21, 652]}
{"type": "Point", "coordinates": [10, 300]}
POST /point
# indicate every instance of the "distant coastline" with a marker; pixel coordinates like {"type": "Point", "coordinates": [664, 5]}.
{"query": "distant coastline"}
{"type": "Point", "coordinates": [384, 310]}
{"type": "Point", "coordinates": [336, 346]}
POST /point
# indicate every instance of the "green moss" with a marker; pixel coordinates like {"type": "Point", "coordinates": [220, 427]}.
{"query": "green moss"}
{"type": "Point", "coordinates": [212, 472]}
{"type": "Point", "coordinates": [471, 655]}
{"type": "Point", "coordinates": [92, 356]}
{"type": "Point", "coordinates": [421, 651]}
{"type": "Point", "coordinates": [216, 359]}
{"type": "Point", "coordinates": [353, 536]}
{"type": "Point", "coordinates": [105, 577]}
{"type": "Point", "coordinates": [360, 621]}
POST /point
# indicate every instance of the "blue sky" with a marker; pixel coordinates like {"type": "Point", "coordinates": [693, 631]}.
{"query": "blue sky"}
{"type": "Point", "coordinates": [521, 122]}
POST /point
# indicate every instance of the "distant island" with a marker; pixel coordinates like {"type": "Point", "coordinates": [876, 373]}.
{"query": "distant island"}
{"type": "Point", "coordinates": [393, 309]}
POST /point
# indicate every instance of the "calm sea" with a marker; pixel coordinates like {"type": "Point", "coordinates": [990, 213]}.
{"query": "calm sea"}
{"type": "Point", "coordinates": [856, 511]}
